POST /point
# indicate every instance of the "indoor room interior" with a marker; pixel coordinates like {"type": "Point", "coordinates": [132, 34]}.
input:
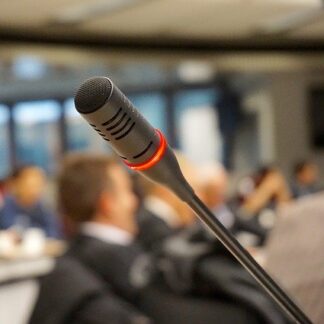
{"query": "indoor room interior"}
{"type": "Point", "coordinates": [236, 87]}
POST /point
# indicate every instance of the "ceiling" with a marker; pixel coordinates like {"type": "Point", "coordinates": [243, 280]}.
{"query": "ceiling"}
{"type": "Point", "coordinates": [165, 20]}
{"type": "Point", "coordinates": [115, 32]}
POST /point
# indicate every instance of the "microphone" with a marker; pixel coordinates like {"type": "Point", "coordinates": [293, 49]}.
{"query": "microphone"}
{"type": "Point", "coordinates": [145, 149]}
{"type": "Point", "coordinates": [141, 147]}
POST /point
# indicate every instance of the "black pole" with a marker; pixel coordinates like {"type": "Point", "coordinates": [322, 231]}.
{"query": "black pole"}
{"type": "Point", "coordinates": [170, 118]}
{"type": "Point", "coordinates": [63, 129]}
{"type": "Point", "coordinates": [12, 138]}
{"type": "Point", "coordinates": [248, 262]}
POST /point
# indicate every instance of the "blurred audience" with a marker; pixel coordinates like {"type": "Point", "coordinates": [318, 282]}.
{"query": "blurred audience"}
{"type": "Point", "coordinates": [306, 178]}
{"type": "Point", "coordinates": [95, 194]}
{"type": "Point", "coordinates": [214, 188]}
{"type": "Point", "coordinates": [163, 214]}
{"type": "Point", "coordinates": [270, 189]}
{"type": "Point", "coordinates": [196, 263]}
{"type": "Point", "coordinates": [72, 293]}
{"type": "Point", "coordinates": [3, 187]}
{"type": "Point", "coordinates": [23, 205]}
{"type": "Point", "coordinates": [259, 197]}
{"type": "Point", "coordinates": [214, 185]}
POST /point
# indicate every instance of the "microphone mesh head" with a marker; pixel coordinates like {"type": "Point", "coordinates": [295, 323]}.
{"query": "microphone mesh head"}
{"type": "Point", "coordinates": [92, 94]}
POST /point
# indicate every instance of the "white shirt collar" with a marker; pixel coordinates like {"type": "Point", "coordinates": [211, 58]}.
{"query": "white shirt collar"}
{"type": "Point", "coordinates": [107, 233]}
{"type": "Point", "coordinates": [163, 210]}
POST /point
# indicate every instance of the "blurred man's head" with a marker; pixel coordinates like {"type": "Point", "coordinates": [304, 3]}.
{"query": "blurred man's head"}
{"type": "Point", "coordinates": [95, 188]}
{"type": "Point", "coordinates": [214, 181]}
{"type": "Point", "coordinates": [27, 184]}
{"type": "Point", "coordinates": [306, 172]}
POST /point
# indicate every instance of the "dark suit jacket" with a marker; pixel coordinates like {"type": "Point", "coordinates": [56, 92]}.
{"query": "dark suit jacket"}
{"type": "Point", "coordinates": [152, 230]}
{"type": "Point", "coordinates": [115, 265]}
{"type": "Point", "coordinates": [72, 294]}
{"type": "Point", "coordinates": [121, 267]}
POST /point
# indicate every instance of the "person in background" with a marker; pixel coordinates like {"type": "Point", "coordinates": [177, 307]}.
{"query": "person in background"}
{"type": "Point", "coordinates": [23, 207]}
{"type": "Point", "coordinates": [214, 188]}
{"type": "Point", "coordinates": [3, 183]}
{"type": "Point", "coordinates": [259, 197]}
{"type": "Point", "coordinates": [72, 293]}
{"type": "Point", "coordinates": [95, 195]}
{"type": "Point", "coordinates": [163, 214]}
{"type": "Point", "coordinates": [214, 182]}
{"type": "Point", "coordinates": [305, 180]}
{"type": "Point", "coordinates": [269, 190]}
{"type": "Point", "coordinates": [229, 111]}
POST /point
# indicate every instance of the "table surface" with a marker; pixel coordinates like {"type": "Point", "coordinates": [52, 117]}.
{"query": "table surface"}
{"type": "Point", "coordinates": [18, 265]}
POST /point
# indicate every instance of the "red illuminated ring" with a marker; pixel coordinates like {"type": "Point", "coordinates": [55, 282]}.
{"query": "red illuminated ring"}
{"type": "Point", "coordinates": [157, 156]}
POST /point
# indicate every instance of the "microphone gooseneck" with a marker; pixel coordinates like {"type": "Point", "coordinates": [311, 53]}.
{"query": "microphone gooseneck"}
{"type": "Point", "coordinates": [248, 262]}
{"type": "Point", "coordinates": [145, 149]}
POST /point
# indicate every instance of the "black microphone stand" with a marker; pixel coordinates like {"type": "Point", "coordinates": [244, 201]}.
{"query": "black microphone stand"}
{"type": "Point", "coordinates": [247, 261]}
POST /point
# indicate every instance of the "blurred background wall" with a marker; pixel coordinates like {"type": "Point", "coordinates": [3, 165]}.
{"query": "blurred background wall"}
{"type": "Point", "coordinates": [173, 58]}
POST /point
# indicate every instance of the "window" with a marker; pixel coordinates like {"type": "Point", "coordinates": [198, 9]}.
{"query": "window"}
{"type": "Point", "coordinates": [28, 67]}
{"type": "Point", "coordinates": [197, 125]}
{"type": "Point", "coordinates": [37, 135]}
{"type": "Point", "coordinates": [4, 142]}
{"type": "Point", "coordinates": [80, 136]}
{"type": "Point", "coordinates": [152, 107]}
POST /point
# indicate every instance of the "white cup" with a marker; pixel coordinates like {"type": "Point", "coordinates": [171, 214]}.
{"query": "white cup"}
{"type": "Point", "coordinates": [33, 243]}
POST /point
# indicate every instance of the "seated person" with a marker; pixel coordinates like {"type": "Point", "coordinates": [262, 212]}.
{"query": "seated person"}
{"type": "Point", "coordinates": [305, 180]}
{"type": "Point", "coordinates": [214, 187]}
{"type": "Point", "coordinates": [163, 214]}
{"type": "Point", "coordinates": [270, 189]}
{"type": "Point", "coordinates": [71, 293]}
{"type": "Point", "coordinates": [23, 208]}
{"type": "Point", "coordinates": [214, 182]}
{"type": "Point", "coordinates": [95, 195]}
{"type": "Point", "coordinates": [259, 197]}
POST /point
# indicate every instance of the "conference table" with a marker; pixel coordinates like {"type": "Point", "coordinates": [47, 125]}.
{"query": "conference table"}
{"type": "Point", "coordinates": [19, 286]}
